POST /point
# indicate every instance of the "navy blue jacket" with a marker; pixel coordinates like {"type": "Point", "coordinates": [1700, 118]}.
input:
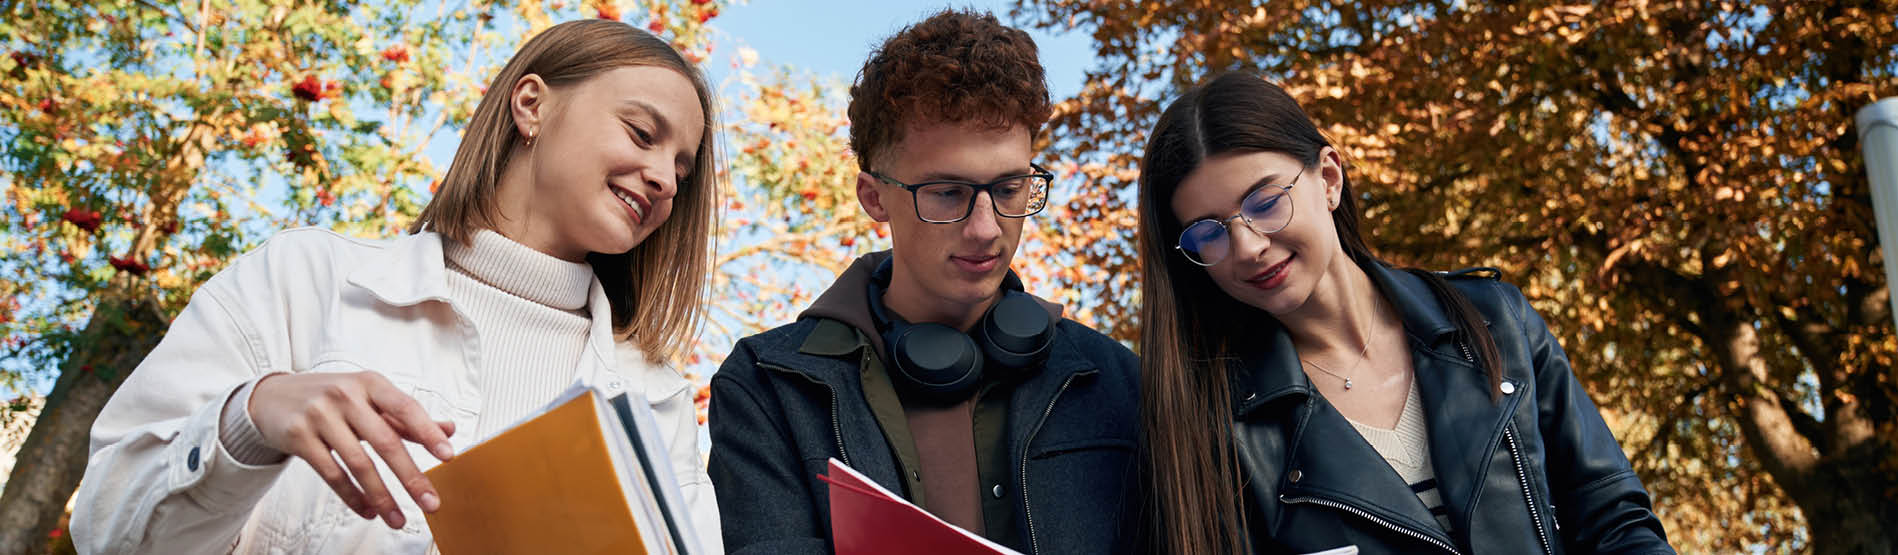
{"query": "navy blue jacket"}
{"type": "Point", "coordinates": [779, 412]}
{"type": "Point", "coordinates": [1534, 472]}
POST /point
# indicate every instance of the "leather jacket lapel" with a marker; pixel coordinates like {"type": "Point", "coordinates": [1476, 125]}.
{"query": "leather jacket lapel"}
{"type": "Point", "coordinates": [1330, 460]}
{"type": "Point", "coordinates": [1464, 427]}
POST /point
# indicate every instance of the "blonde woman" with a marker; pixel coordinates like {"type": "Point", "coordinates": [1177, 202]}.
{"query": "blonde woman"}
{"type": "Point", "coordinates": [297, 398]}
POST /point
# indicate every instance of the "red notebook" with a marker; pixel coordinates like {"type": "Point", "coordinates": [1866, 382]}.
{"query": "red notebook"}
{"type": "Point", "coordinates": [867, 519]}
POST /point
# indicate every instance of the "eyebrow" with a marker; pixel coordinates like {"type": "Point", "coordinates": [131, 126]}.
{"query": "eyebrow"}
{"type": "Point", "coordinates": [949, 176]}
{"type": "Point", "coordinates": [662, 129]}
{"type": "Point", "coordinates": [1256, 185]}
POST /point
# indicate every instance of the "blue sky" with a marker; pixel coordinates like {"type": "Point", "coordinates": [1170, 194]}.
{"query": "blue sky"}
{"type": "Point", "coordinates": [831, 39]}
{"type": "Point", "coordinates": [834, 39]}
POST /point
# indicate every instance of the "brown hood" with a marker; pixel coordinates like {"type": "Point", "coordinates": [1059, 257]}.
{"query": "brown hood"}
{"type": "Point", "coordinates": [848, 299]}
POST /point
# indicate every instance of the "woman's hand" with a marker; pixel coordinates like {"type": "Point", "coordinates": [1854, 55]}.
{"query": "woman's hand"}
{"type": "Point", "coordinates": [312, 416]}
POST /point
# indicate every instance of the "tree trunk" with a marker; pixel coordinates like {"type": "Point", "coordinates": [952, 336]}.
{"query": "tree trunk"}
{"type": "Point", "coordinates": [53, 458]}
{"type": "Point", "coordinates": [1841, 491]}
{"type": "Point", "coordinates": [1857, 519]}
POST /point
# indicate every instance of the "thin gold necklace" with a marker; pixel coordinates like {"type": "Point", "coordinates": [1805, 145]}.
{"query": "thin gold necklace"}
{"type": "Point", "coordinates": [1363, 354]}
{"type": "Point", "coordinates": [1347, 381]}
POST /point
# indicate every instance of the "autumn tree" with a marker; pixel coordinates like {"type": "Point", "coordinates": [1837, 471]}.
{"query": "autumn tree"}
{"type": "Point", "coordinates": [1676, 185]}
{"type": "Point", "coordinates": [146, 143]}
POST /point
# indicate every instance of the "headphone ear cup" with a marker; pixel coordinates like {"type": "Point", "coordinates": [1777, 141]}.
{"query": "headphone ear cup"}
{"type": "Point", "coordinates": [1017, 332]}
{"type": "Point", "coordinates": [934, 362]}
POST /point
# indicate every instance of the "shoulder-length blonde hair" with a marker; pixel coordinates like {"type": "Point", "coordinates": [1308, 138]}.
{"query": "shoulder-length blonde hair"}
{"type": "Point", "coordinates": [658, 289]}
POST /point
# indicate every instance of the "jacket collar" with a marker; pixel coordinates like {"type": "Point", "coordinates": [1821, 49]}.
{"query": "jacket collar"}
{"type": "Point", "coordinates": [413, 270]}
{"type": "Point", "coordinates": [1423, 316]}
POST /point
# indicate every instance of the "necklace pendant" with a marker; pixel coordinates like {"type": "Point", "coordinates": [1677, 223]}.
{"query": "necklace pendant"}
{"type": "Point", "coordinates": [1347, 384]}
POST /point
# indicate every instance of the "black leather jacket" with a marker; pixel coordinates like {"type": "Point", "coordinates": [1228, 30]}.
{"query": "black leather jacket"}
{"type": "Point", "coordinates": [1535, 472]}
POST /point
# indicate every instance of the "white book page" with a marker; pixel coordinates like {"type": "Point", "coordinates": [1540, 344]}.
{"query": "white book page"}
{"type": "Point", "coordinates": [632, 481]}
{"type": "Point", "coordinates": [668, 493]}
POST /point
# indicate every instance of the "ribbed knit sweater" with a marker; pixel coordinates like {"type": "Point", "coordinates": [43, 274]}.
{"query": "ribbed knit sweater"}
{"type": "Point", "coordinates": [1407, 449]}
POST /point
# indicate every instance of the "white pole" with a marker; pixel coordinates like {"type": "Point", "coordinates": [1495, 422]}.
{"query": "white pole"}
{"type": "Point", "coordinates": [1878, 135]}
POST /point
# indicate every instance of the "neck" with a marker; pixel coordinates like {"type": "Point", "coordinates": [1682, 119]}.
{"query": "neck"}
{"type": "Point", "coordinates": [915, 305]}
{"type": "Point", "coordinates": [1341, 313]}
{"type": "Point", "coordinates": [518, 217]}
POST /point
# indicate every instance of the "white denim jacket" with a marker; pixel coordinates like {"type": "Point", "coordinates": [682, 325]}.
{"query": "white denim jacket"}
{"type": "Point", "coordinates": [309, 300]}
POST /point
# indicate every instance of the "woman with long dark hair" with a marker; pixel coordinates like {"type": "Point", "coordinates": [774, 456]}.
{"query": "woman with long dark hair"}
{"type": "Point", "coordinates": [1299, 394]}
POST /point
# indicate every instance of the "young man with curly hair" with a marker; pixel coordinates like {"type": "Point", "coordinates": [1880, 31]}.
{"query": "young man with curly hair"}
{"type": "Point", "coordinates": [926, 367]}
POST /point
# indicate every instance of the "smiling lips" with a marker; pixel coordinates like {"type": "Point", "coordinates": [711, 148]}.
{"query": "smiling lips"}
{"type": "Point", "coordinates": [635, 204]}
{"type": "Point", "coordinates": [1272, 277]}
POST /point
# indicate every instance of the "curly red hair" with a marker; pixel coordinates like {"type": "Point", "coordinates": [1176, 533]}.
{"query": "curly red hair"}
{"type": "Point", "coordinates": [954, 67]}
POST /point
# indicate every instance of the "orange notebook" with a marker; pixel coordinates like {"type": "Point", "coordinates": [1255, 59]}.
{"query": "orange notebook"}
{"type": "Point", "coordinates": [867, 519]}
{"type": "Point", "coordinates": [586, 475]}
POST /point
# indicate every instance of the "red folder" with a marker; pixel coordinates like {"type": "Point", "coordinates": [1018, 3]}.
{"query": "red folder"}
{"type": "Point", "coordinates": [869, 520]}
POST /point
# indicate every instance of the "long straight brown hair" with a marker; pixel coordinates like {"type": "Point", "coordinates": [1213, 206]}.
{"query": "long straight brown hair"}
{"type": "Point", "coordinates": [658, 288]}
{"type": "Point", "coordinates": [1190, 329]}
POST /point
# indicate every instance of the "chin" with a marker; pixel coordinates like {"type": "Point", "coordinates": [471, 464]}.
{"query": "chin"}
{"type": "Point", "coordinates": [970, 291]}
{"type": "Point", "coordinates": [619, 243]}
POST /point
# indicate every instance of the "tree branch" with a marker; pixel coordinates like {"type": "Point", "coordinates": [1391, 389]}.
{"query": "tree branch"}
{"type": "Point", "coordinates": [1681, 410]}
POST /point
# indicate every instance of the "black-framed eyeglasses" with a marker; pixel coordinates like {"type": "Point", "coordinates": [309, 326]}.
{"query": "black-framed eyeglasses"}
{"type": "Point", "coordinates": [947, 202]}
{"type": "Point", "coordinates": [1265, 210]}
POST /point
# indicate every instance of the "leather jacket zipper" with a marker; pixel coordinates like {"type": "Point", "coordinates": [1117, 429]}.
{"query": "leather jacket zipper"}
{"type": "Point", "coordinates": [1373, 518]}
{"type": "Point", "coordinates": [1528, 496]}
{"type": "Point", "coordinates": [836, 427]}
{"type": "Point", "coordinates": [1034, 543]}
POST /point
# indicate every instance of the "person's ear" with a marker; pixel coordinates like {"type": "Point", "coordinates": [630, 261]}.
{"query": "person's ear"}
{"type": "Point", "coordinates": [528, 103]}
{"type": "Point", "coordinates": [871, 197]}
{"type": "Point", "coordinates": [1331, 173]}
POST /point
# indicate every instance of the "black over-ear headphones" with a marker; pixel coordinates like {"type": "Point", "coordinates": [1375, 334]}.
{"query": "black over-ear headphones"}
{"type": "Point", "coordinates": [941, 364]}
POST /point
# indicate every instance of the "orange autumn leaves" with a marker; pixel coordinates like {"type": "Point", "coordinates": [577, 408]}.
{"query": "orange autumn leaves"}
{"type": "Point", "coordinates": [1675, 184]}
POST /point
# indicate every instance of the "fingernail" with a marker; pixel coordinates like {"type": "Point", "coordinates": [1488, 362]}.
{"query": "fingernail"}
{"type": "Point", "coordinates": [393, 517]}
{"type": "Point", "coordinates": [443, 451]}
{"type": "Point", "coordinates": [430, 502]}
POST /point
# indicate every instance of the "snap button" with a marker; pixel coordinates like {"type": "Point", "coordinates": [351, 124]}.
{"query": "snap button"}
{"type": "Point", "coordinates": [1508, 388]}
{"type": "Point", "coordinates": [997, 491]}
{"type": "Point", "coordinates": [1296, 475]}
{"type": "Point", "coordinates": [191, 460]}
{"type": "Point", "coordinates": [1251, 396]}
{"type": "Point", "coordinates": [913, 475]}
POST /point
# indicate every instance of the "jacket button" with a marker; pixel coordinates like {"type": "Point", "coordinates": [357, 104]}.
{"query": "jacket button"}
{"type": "Point", "coordinates": [1508, 388]}
{"type": "Point", "coordinates": [997, 491]}
{"type": "Point", "coordinates": [914, 475]}
{"type": "Point", "coordinates": [1295, 475]}
{"type": "Point", "coordinates": [191, 460]}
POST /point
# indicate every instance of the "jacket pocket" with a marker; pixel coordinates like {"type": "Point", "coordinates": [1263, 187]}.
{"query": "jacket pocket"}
{"type": "Point", "coordinates": [1080, 445]}
{"type": "Point", "coordinates": [416, 386]}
